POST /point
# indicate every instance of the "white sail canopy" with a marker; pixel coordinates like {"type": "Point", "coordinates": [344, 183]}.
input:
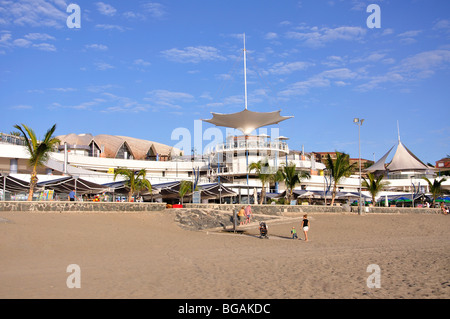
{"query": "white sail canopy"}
{"type": "Point", "coordinates": [247, 121]}
{"type": "Point", "coordinates": [403, 160]}
{"type": "Point", "coordinates": [380, 165]}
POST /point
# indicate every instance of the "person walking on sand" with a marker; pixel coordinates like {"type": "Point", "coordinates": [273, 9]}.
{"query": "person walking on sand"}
{"type": "Point", "coordinates": [241, 216]}
{"type": "Point", "coordinates": [248, 214]}
{"type": "Point", "coordinates": [305, 226]}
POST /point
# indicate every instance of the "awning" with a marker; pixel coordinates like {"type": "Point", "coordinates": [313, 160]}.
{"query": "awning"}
{"type": "Point", "coordinates": [119, 187]}
{"type": "Point", "coordinates": [69, 183]}
{"type": "Point", "coordinates": [13, 184]}
{"type": "Point", "coordinates": [216, 190]}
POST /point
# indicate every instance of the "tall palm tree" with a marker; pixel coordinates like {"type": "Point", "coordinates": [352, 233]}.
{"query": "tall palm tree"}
{"type": "Point", "coordinates": [39, 151]}
{"type": "Point", "coordinates": [374, 185]}
{"type": "Point", "coordinates": [291, 178]}
{"type": "Point", "coordinates": [136, 181]}
{"type": "Point", "coordinates": [435, 188]}
{"type": "Point", "coordinates": [265, 175]}
{"type": "Point", "coordinates": [339, 168]}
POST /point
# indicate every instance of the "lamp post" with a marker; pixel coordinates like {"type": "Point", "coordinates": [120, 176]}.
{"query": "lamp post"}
{"type": "Point", "coordinates": [359, 122]}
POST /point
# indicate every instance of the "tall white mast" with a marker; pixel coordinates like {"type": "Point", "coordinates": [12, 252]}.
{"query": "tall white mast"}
{"type": "Point", "coordinates": [245, 73]}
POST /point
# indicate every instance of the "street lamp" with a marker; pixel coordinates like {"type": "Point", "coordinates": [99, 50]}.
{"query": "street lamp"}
{"type": "Point", "coordinates": [359, 122]}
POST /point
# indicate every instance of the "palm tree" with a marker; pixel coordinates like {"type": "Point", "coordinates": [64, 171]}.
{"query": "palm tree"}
{"type": "Point", "coordinates": [185, 187]}
{"type": "Point", "coordinates": [374, 185]}
{"type": "Point", "coordinates": [435, 188]}
{"type": "Point", "coordinates": [291, 178]}
{"type": "Point", "coordinates": [262, 169]}
{"type": "Point", "coordinates": [136, 181]}
{"type": "Point", "coordinates": [338, 169]}
{"type": "Point", "coordinates": [39, 151]}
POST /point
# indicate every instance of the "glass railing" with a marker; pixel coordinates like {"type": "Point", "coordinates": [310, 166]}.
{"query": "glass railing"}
{"type": "Point", "coordinates": [12, 139]}
{"type": "Point", "coordinates": [252, 145]}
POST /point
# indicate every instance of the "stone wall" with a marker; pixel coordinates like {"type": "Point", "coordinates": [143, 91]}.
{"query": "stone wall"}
{"type": "Point", "coordinates": [305, 209]}
{"type": "Point", "coordinates": [274, 210]}
{"type": "Point", "coordinates": [65, 206]}
{"type": "Point", "coordinates": [277, 210]}
{"type": "Point", "coordinates": [403, 210]}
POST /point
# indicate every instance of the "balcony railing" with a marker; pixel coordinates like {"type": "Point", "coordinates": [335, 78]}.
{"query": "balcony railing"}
{"type": "Point", "coordinates": [252, 145]}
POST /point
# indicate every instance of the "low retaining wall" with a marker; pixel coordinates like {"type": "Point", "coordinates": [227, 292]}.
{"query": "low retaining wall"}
{"type": "Point", "coordinates": [275, 210]}
{"type": "Point", "coordinates": [403, 210]}
{"type": "Point", "coordinates": [61, 206]}
{"type": "Point", "coordinates": [306, 209]}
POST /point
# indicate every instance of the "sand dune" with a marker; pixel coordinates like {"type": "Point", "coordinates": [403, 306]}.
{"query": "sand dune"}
{"type": "Point", "coordinates": [148, 255]}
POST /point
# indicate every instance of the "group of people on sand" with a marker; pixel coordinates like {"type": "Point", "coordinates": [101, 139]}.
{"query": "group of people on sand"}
{"type": "Point", "coordinates": [305, 225]}
{"type": "Point", "coordinates": [245, 215]}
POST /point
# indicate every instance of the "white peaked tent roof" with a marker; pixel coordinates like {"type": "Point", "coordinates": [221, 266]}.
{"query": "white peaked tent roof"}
{"type": "Point", "coordinates": [403, 160]}
{"type": "Point", "coordinates": [247, 121]}
{"type": "Point", "coordinates": [379, 166]}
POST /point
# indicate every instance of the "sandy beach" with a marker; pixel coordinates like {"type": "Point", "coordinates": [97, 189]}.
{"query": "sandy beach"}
{"type": "Point", "coordinates": [148, 255]}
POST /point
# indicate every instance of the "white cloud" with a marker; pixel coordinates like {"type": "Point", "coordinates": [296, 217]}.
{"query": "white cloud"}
{"type": "Point", "coordinates": [335, 61]}
{"type": "Point", "coordinates": [36, 13]}
{"type": "Point", "coordinates": [106, 9]}
{"type": "Point", "coordinates": [154, 9]}
{"type": "Point", "coordinates": [442, 24]}
{"type": "Point", "coordinates": [413, 68]}
{"type": "Point", "coordinates": [64, 90]}
{"type": "Point", "coordinates": [96, 46]}
{"type": "Point", "coordinates": [319, 37]}
{"type": "Point", "coordinates": [425, 61]}
{"type": "Point", "coordinates": [373, 57]}
{"type": "Point", "coordinates": [193, 54]}
{"type": "Point", "coordinates": [39, 36]}
{"type": "Point", "coordinates": [102, 66]}
{"type": "Point", "coordinates": [21, 43]}
{"type": "Point", "coordinates": [289, 67]}
{"type": "Point", "coordinates": [270, 36]}
{"type": "Point", "coordinates": [320, 80]}
{"type": "Point", "coordinates": [141, 62]}
{"type": "Point", "coordinates": [410, 34]}
{"type": "Point", "coordinates": [110, 27]}
{"type": "Point", "coordinates": [168, 98]}
{"type": "Point", "coordinates": [21, 107]}
{"type": "Point", "coordinates": [45, 47]}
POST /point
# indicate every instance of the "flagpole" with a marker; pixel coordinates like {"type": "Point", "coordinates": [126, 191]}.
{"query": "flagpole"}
{"type": "Point", "coordinates": [245, 72]}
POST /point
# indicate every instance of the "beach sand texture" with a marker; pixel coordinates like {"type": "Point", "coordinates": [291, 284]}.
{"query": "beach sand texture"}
{"type": "Point", "coordinates": [148, 255]}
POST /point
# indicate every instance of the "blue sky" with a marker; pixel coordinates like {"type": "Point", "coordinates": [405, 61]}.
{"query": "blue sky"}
{"type": "Point", "coordinates": [143, 69]}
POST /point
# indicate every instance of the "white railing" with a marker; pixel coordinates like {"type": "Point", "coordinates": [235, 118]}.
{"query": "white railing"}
{"type": "Point", "coordinates": [252, 145]}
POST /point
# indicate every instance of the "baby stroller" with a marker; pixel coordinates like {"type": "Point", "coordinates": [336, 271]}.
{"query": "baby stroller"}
{"type": "Point", "coordinates": [263, 230]}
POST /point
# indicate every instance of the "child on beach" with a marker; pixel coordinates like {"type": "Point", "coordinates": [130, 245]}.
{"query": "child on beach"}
{"type": "Point", "coordinates": [241, 216]}
{"type": "Point", "coordinates": [294, 233]}
{"type": "Point", "coordinates": [305, 226]}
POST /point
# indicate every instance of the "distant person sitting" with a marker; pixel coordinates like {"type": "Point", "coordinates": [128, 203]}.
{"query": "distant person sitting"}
{"type": "Point", "coordinates": [72, 195]}
{"type": "Point", "coordinates": [444, 209]}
